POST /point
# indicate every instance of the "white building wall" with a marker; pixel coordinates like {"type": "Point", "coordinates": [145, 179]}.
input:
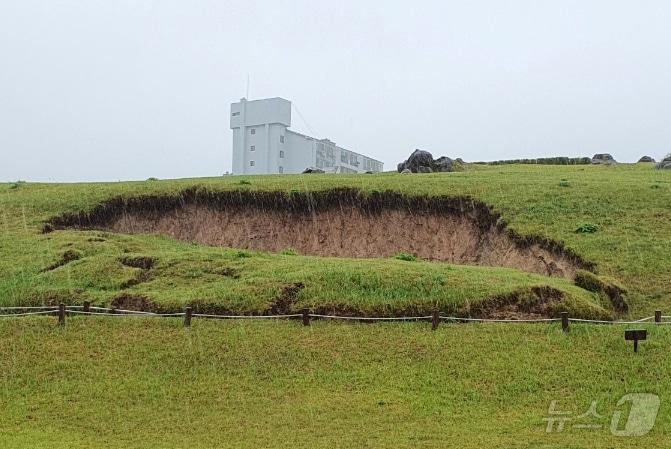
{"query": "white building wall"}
{"type": "Point", "coordinates": [238, 153]}
{"type": "Point", "coordinates": [257, 126]}
{"type": "Point", "coordinates": [299, 153]}
{"type": "Point", "coordinates": [262, 144]}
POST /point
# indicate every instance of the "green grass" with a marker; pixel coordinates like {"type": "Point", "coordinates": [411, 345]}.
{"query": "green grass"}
{"type": "Point", "coordinates": [220, 280]}
{"type": "Point", "coordinates": [149, 383]}
{"type": "Point", "coordinates": [626, 205]}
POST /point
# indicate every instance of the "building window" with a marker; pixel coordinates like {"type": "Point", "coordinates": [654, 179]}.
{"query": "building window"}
{"type": "Point", "coordinates": [252, 148]}
{"type": "Point", "coordinates": [251, 163]}
{"type": "Point", "coordinates": [344, 157]}
{"type": "Point", "coordinates": [253, 131]}
{"type": "Point", "coordinates": [281, 154]}
{"type": "Point", "coordinates": [235, 114]}
{"type": "Point", "coordinates": [281, 139]}
{"type": "Point", "coordinates": [281, 170]}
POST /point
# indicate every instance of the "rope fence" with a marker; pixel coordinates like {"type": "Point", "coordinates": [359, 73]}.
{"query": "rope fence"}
{"type": "Point", "coordinates": [61, 311]}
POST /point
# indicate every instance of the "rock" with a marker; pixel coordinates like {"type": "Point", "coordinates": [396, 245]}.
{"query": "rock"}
{"type": "Point", "coordinates": [443, 164]}
{"type": "Point", "coordinates": [646, 159]}
{"type": "Point", "coordinates": [421, 161]}
{"type": "Point", "coordinates": [603, 158]}
{"type": "Point", "coordinates": [418, 158]}
{"type": "Point", "coordinates": [666, 163]}
{"type": "Point", "coordinates": [406, 171]}
{"type": "Point", "coordinates": [313, 170]}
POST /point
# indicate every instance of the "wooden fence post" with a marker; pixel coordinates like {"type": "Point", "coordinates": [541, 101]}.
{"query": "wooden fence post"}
{"type": "Point", "coordinates": [658, 316]}
{"type": "Point", "coordinates": [87, 306]}
{"type": "Point", "coordinates": [564, 321]}
{"type": "Point", "coordinates": [61, 314]}
{"type": "Point", "coordinates": [435, 320]}
{"type": "Point", "coordinates": [306, 317]}
{"type": "Point", "coordinates": [187, 317]}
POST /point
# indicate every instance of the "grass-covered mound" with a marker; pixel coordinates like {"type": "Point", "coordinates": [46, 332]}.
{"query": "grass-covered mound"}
{"type": "Point", "coordinates": [621, 213]}
{"type": "Point", "coordinates": [159, 274]}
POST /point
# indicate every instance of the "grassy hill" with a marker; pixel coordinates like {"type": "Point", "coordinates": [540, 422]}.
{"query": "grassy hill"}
{"type": "Point", "coordinates": [149, 383]}
{"type": "Point", "coordinates": [628, 205]}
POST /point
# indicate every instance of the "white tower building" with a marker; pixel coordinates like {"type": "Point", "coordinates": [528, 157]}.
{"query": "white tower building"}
{"type": "Point", "coordinates": [263, 144]}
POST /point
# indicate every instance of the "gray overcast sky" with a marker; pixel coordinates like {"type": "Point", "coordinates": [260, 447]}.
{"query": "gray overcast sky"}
{"type": "Point", "coordinates": [128, 89]}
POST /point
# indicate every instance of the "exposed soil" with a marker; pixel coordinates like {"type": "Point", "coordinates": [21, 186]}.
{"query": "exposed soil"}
{"type": "Point", "coordinates": [284, 302]}
{"type": "Point", "coordinates": [537, 303]}
{"type": "Point", "coordinates": [140, 277]}
{"type": "Point", "coordinates": [133, 302]}
{"type": "Point", "coordinates": [227, 272]}
{"type": "Point", "coordinates": [67, 257]}
{"type": "Point", "coordinates": [341, 223]}
{"type": "Point", "coordinates": [142, 262]}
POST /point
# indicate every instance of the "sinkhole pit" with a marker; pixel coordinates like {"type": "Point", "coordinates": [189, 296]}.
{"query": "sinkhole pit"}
{"type": "Point", "coordinates": [334, 223]}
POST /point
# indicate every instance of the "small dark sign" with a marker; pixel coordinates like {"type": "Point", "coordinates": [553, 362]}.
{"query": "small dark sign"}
{"type": "Point", "coordinates": [635, 335]}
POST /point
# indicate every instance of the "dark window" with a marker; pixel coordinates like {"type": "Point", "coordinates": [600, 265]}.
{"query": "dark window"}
{"type": "Point", "coordinates": [281, 139]}
{"type": "Point", "coordinates": [281, 153]}
{"type": "Point", "coordinates": [252, 148]}
{"type": "Point", "coordinates": [281, 169]}
{"type": "Point", "coordinates": [251, 163]}
{"type": "Point", "coordinates": [235, 113]}
{"type": "Point", "coordinates": [253, 131]}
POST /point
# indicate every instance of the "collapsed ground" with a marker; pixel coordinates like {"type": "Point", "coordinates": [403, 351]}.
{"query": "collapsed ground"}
{"type": "Point", "coordinates": [627, 227]}
{"type": "Point", "coordinates": [335, 223]}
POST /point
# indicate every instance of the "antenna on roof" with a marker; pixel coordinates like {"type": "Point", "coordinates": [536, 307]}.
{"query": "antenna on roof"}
{"type": "Point", "coordinates": [303, 118]}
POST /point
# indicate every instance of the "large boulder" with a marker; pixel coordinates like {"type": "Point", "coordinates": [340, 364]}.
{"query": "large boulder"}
{"type": "Point", "coordinates": [443, 164]}
{"type": "Point", "coordinates": [418, 158]}
{"type": "Point", "coordinates": [646, 159]}
{"type": "Point", "coordinates": [603, 158]}
{"type": "Point", "coordinates": [421, 161]}
{"type": "Point", "coordinates": [666, 163]}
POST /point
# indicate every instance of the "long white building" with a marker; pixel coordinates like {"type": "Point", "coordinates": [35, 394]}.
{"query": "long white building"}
{"type": "Point", "coordinates": [264, 144]}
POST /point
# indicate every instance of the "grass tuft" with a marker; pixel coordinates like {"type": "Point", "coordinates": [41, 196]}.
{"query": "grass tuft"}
{"type": "Point", "coordinates": [405, 256]}
{"type": "Point", "coordinates": [587, 228]}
